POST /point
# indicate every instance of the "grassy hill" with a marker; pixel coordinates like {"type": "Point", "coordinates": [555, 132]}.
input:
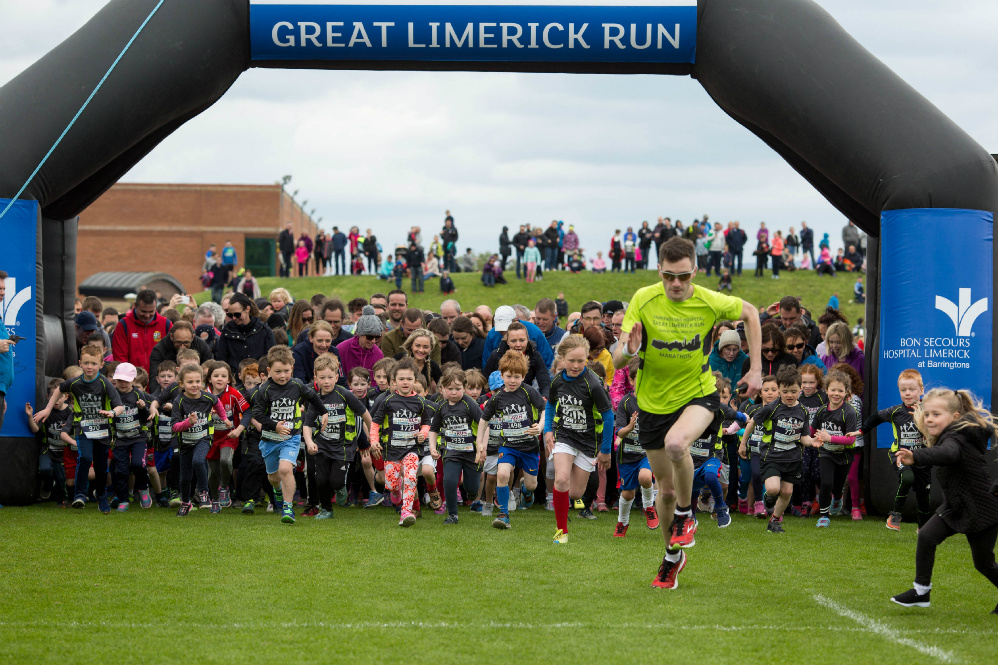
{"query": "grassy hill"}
{"type": "Point", "coordinates": [813, 291]}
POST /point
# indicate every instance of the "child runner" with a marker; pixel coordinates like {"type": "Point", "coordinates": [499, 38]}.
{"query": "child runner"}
{"type": "Point", "coordinates": [750, 463]}
{"type": "Point", "coordinates": [521, 420]}
{"type": "Point", "coordinates": [191, 417]}
{"type": "Point", "coordinates": [632, 464]}
{"type": "Point", "coordinates": [94, 402]}
{"type": "Point", "coordinates": [455, 425]}
{"type": "Point", "coordinates": [225, 439]}
{"type": "Point", "coordinates": [253, 469]}
{"type": "Point", "coordinates": [163, 401]}
{"type": "Point", "coordinates": [577, 431]}
{"type": "Point", "coordinates": [830, 425]}
{"type": "Point", "coordinates": [786, 426]}
{"type": "Point", "coordinates": [491, 466]}
{"type": "Point", "coordinates": [957, 429]}
{"type": "Point", "coordinates": [405, 420]}
{"type": "Point", "coordinates": [335, 445]}
{"type": "Point", "coordinates": [359, 381]}
{"type": "Point", "coordinates": [51, 431]}
{"type": "Point", "coordinates": [813, 397]}
{"type": "Point", "coordinates": [278, 407]}
{"type": "Point", "coordinates": [907, 436]}
{"type": "Point", "coordinates": [130, 430]}
{"type": "Point", "coordinates": [427, 465]}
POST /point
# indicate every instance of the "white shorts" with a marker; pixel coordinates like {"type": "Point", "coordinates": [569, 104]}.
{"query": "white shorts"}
{"type": "Point", "coordinates": [491, 464]}
{"type": "Point", "coordinates": [583, 461]}
{"type": "Point", "coordinates": [429, 461]}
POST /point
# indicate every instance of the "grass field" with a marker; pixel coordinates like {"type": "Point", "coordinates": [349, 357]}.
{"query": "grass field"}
{"type": "Point", "coordinates": [814, 291]}
{"type": "Point", "coordinates": [147, 587]}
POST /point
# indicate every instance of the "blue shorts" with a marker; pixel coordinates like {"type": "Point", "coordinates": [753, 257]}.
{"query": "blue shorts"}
{"type": "Point", "coordinates": [712, 467]}
{"type": "Point", "coordinates": [163, 460]}
{"type": "Point", "coordinates": [275, 451]}
{"type": "Point", "coordinates": [528, 462]}
{"type": "Point", "coordinates": [629, 474]}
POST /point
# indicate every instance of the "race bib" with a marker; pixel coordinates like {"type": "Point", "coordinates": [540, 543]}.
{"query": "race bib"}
{"type": "Point", "coordinates": [633, 448]}
{"type": "Point", "coordinates": [95, 428]}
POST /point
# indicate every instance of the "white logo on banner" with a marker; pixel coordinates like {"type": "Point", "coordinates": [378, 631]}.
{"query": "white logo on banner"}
{"type": "Point", "coordinates": [12, 306]}
{"type": "Point", "coordinates": [964, 315]}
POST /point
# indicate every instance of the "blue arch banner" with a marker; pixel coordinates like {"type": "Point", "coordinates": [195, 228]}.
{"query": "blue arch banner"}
{"type": "Point", "coordinates": [17, 311]}
{"type": "Point", "coordinates": [635, 31]}
{"type": "Point", "coordinates": [936, 301]}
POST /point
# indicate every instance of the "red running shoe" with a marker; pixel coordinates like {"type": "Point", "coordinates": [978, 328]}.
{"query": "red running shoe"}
{"type": "Point", "coordinates": [683, 531]}
{"type": "Point", "coordinates": [743, 506]}
{"type": "Point", "coordinates": [815, 508]}
{"type": "Point", "coordinates": [668, 573]}
{"type": "Point", "coordinates": [620, 531]}
{"type": "Point", "coordinates": [652, 516]}
{"type": "Point", "coordinates": [311, 512]}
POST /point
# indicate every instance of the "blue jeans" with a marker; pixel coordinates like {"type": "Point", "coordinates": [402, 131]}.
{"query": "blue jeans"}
{"type": "Point", "coordinates": [340, 261]}
{"type": "Point", "coordinates": [707, 475]}
{"type": "Point", "coordinates": [91, 453]}
{"type": "Point", "coordinates": [489, 278]}
{"type": "Point", "coordinates": [551, 258]}
{"type": "Point", "coordinates": [416, 274]}
{"type": "Point", "coordinates": [51, 469]}
{"type": "Point", "coordinates": [129, 457]}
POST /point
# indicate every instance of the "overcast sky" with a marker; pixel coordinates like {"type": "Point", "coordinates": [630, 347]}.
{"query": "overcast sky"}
{"type": "Point", "coordinates": [391, 149]}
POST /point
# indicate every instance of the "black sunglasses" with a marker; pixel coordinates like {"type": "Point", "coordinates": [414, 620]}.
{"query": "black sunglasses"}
{"type": "Point", "coordinates": [769, 350]}
{"type": "Point", "coordinates": [796, 347]}
{"type": "Point", "coordinates": [233, 315]}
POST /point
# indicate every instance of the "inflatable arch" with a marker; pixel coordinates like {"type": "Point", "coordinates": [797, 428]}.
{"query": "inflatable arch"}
{"type": "Point", "coordinates": [884, 156]}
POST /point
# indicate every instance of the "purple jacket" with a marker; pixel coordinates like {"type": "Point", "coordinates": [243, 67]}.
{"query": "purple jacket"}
{"type": "Point", "coordinates": [854, 359]}
{"type": "Point", "coordinates": [353, 355]}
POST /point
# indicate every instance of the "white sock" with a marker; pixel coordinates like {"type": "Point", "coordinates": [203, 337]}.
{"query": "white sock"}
{"type": "Point", "coordinates": [624, 510]}
{"type": "Point", "coordinates": [922, 590]}
{"type": "Point", "coordinates": [648, 497]}
{"type": "Point", "coordinates": [673, 556]}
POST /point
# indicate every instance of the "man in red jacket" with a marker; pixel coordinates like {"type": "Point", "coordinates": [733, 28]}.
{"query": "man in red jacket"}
{"type": "Point", "coordinates": [139, 331]}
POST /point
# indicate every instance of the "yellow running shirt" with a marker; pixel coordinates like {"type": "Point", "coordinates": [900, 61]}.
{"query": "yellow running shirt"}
{"type": "Point", "coordinates": [676, 344]}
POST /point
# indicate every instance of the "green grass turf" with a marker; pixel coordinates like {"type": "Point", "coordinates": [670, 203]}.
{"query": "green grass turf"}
{"type": "Point", "coordinates": [813, 290]}
{"type": "Point", "coordinates": [79, 587]}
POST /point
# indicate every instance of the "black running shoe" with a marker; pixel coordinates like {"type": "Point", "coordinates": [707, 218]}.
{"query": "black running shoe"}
{"type": "Point", "coordinates": [912, 598]}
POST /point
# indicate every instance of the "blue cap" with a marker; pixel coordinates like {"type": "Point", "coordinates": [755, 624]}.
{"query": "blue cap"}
{"type": "Point", "coordinates": [495, 380]}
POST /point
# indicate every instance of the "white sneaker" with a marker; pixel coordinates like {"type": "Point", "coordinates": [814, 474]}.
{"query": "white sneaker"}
{"type": "Point", "coordinates": [487, 509]}
{"type": "Point", "coordinates": [549, 504]}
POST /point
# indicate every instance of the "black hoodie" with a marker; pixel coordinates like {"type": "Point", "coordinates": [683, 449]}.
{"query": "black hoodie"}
{"type": "Point", "coordinates": [962, 474]}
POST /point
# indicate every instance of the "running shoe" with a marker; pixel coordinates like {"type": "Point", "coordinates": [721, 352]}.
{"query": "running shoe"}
{"type": "Point", "coordinates": [836, 506]}
{"type": "Point", "coordinates": [324, 515]}
{"type": "Point", "coordinates": [288, 514]}
{"type": "Point", "coordinates": [560, 537]}
{"type": "Point", "coordinates": [578, 504]}
{"type": "Point", "coordinates": [487, 509]}
{"type": "Point", "coordinates": [743, 506]}
{"type": "Point", "coordinates": [601, 507]}
{"type": "Point", "coordinates": [760, 509]}
{"type": "Point", "coordinates": [270, 507]}
{"type": "Point", "coordinates": [684, 529]}
{"type": "Point", "coordinates": [144, 499]}
{"type": "Point", "coordinates": [450, 519]}
{"type": "Point", "coordinates": [857, 515]}
{"type": "Point", "coordinates": [375, 499]}
{"type": "Point", "coordinates": [620, 531]}
{"type": "Point", "coordinates": [668, 573]}
{"type": "Point", "coordinates": [441, 510]}
{"type": "Point", "coordinates": [527, 497]}
{"type": "Point", "coordinates": [102, 504]}
{"type": "Point", "coordinates": [407, 518]}
{"type": "Point", "coordinates": [815, 508]}
{"type": "Point", "coordinates": [912, 598]}
{"type": "Point", "coordinates": [185, 508]}
{"type": "Point", "coordinates": [805, 508]}
{"type": "Point", "coordinates": [549, 503]}
{"type": "Point", "coordinates": [311, 511]}
{"type": "Point", "coordinates": [774, 526]}
{"type": "Point", "coordinates": [501, 522]}
{"type": "Point", "coordinates": [651, 515]}
{"type": "Point", "coordinates": [396, 498]}
{"type": "Point", "coordinates": [476, 506]}
{"type": "Point", "coordinates": [249, 507]}
{"type": "Point", "coordinates": [163, 501]}
{"type": "Point", "coordinates": [823, 522]}
{"type": "Point", "coordinates": [122, 507]}
{"type": "Point", "coordinates": [278, 501]}
{"type": "Point", "coordinates": [174, 498]}
{"type": "Point", "coordinates": [705, 503]}
{"type": "Point", "coordinates": [796, 511]}
{"type": "Point", "coordinates": [586, 514]}
{"type": "Point", "coordinates": [216, 507]}
{"type": "Point", "coordinates": [894, 521]}
{"type": "Point", "coordinates": [723, 518]}
{"type": "Point", "coordinates": [204, 500]}
{"type": "Point", "coordinates": [224, 497]}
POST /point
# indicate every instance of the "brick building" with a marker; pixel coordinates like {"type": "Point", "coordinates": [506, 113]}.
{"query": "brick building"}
{"type": "Point", "coordinates": [167, 228]}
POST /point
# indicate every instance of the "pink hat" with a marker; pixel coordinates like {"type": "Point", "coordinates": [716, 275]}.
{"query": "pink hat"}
{"type": "Point", "coordinates": [124, 372]}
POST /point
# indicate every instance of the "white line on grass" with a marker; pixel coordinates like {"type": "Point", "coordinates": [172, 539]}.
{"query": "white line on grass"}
{"type": "Point", "coordinates": [871, 625]}
{"type": "Point", "coordinates": [375, 625]}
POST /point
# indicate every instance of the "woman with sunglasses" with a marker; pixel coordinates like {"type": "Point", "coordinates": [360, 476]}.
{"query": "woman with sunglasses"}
{"type": "Point", "coordinates": [301, 316]}
{"type": "Point", "coordinates": [796, 338]}
{"type": "Point", "coordinates": [362, 349]}
{"type": "Point", "coordinates": [774, 351]}
{"type": "Point", "coordinates": [244, 335]}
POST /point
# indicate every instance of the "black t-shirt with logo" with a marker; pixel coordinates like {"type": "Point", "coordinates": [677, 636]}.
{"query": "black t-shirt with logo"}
{"type": "Point", "coordinates": [86, 399]}
{"type": "Point", "coordinates": [630, 451]}
{"type": "Point", "coordinates": [131, 425]}
{"type": "Point", "coordinates": [578, 407]}
{"type": "Point", "coordinates": [400, 419]}
{"type": "Point", "coordinates": [749, 407]}
{"type": "Point", "coordinates": [51, 430]}
{"type": "Point", "coordinates": [837, 423]}
{"type": "Point", "coordinates": [457, 427]}
{"type": "Point", "coordinates": [517, 411]}
{"type": "Point", "coordinates": [201, 406]}
{"type": "Point", "coordinates": [274, 403]}
{"type": "Point", "coordinates": [813, 402]}
{"type": "Point", "coordinates": [338, 439]}
{"type": "Point", "coordinates": [783, 426]}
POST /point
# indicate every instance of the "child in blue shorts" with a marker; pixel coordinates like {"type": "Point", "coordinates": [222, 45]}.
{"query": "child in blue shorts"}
{"type": "Point", "coordinates": [632, 464]}
{"type": "Point", "coordinates": [278, 406]}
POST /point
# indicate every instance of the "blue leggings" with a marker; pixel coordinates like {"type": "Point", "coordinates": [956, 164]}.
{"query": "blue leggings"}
{"type": "Point", "coordinates": [749, 471]}
{"type": "Point", "coordinates": [707, 474]}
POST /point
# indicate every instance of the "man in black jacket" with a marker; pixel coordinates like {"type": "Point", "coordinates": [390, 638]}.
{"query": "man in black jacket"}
{"type": "Point", "coordinates": [448, 236]}
{"type": "Point", "coordinates": [414, 258]}
{"type": "Point", "coordinates": [515, 338]}
{"type": "Point", "coordinates": [520, 244]}
{"type": "Point", "coordinates": [807, 241]}
{"type": "Point", "coordinates": [339, 243]}
{"type": "Point", "coordinates": [181, 336]}
{"type": "Point", "coordinates": [504, 246]}
{"type": "Point", "coordinates": [286, 245]}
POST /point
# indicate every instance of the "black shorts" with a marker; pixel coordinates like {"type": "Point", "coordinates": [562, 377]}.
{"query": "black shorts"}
{"type": "Point", "coordinates": [652, 427]}
{"type": "Point", "coordinates": [787, 472]}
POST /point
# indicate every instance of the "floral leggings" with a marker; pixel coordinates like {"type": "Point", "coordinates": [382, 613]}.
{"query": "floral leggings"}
{"type": "Point", "coordinates": [401, 476]}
